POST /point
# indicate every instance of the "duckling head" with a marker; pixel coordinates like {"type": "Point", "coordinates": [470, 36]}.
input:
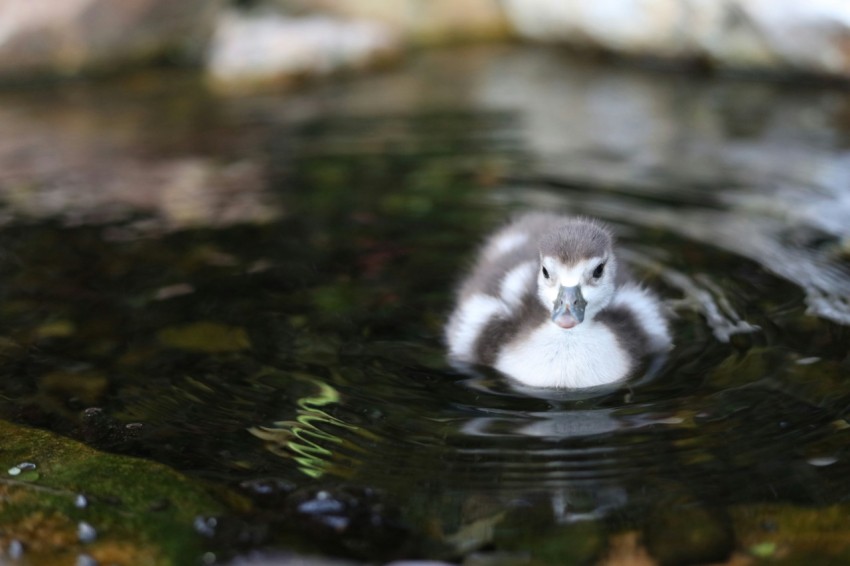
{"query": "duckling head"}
{"type": "Point", "coordinates": [577, 272]}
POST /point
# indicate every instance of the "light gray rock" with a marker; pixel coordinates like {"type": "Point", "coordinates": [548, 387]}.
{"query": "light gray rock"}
{"type": "Point", "coordinates": [248, 49]}
{"type": "Point", "coordinates": [44, 37]}
{"type": "Point", "coordinates": [419, 21]}
{"type": "Point", "coordinates": [773, 35]}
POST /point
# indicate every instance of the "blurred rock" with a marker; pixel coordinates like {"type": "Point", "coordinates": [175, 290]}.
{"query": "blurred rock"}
{"type": "Point", "coordinates": [744, 34]}
{"type": "Point", "coordinates": [85, 164]}
{"type": "Point", "coordinates": [258, 48]}
{"type": "Point", "coordinates": [422, 21]}
{"type": "Point", "coordinates": [39, 37]}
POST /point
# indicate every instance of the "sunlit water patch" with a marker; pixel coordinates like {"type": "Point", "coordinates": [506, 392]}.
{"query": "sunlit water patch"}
{"type": "Point", "coordinates": [275, 308]}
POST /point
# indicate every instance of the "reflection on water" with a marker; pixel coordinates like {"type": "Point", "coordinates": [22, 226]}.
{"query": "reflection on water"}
{"type": "Point", "coordinates": [304, 439]}
{"type": "Point", "coordinates": [262, 282]}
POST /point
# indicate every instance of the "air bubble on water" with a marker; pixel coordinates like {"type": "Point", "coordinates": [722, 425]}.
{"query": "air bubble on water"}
{"type": "Point", "coordinates": [85, 532]}
{"type": "Point", "coordinates": [205, 525]}
{"type": "Point", "coordinates": [22, 467]}
{"type": "Point", "coordinates": [16, 550]}
{"type": "Point", "coordinates": [821, 461]}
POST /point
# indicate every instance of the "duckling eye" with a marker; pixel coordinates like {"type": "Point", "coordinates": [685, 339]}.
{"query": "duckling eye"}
{"type": "Point", "coordinates": [597, 273]}
{"type": "Point", "coordinates": [545, 273]}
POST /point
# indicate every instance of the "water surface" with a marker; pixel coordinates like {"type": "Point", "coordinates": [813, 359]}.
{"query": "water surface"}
{"type": "Point", "coordinates": [261, 283]}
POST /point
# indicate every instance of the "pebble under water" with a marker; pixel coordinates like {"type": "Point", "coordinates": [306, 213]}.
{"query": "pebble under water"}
{"type": "Point", "coordinates": [252, 290]}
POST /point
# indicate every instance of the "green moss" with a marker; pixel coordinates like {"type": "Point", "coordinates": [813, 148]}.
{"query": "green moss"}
{"type": "Point", "coordinates": [143, 512]}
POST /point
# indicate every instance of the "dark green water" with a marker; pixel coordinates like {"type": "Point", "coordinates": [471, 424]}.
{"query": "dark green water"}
{"type": "Point", "coordinates": [261, 283]}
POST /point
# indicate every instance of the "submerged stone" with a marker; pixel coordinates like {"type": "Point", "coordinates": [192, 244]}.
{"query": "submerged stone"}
{"type": "Point", "coordinates": [791, 534]}
{"type": "Point", "coordinates": [533, 528]}
{"type": "Point", "coordinates": [690, 534]}
{"type": "Point", "coordinates": [267, 492]}
{"type": "Point", "coordinates": [355, 520]}
{"type": "Point", "coordinates": [208, 337]}
{"type": "Point", "coordinates": [87, 387]}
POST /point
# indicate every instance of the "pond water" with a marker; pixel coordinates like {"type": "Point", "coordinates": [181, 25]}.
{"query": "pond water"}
{"type": "Point", "coordinates": [254, 287]}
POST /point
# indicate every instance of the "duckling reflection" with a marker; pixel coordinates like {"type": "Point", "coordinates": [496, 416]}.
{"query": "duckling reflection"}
{"type": "Point", "coordinates": [577, 454]}
{"type": "Point", "coordinates": [562, 424]}
{"type": "Point", "coordinates": [546, 304]}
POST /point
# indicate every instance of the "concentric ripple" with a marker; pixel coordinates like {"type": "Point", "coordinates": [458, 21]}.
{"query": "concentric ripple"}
{"type": "Point", "coordinates": [274, 306]}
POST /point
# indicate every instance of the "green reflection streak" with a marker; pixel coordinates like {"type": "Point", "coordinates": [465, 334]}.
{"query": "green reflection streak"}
{"type": "Point", "coordinates": [303, 439]}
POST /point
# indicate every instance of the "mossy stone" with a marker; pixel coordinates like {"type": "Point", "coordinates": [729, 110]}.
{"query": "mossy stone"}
{"type": "Point", "coordinates": [42, 512]}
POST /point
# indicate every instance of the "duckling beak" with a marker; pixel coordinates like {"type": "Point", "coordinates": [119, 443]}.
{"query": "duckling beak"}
{"type": "Point", "coordinates": [569, 307]}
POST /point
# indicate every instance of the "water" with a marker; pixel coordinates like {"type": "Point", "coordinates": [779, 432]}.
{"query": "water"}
{"type": "Point", "coordinates": [255, 287]}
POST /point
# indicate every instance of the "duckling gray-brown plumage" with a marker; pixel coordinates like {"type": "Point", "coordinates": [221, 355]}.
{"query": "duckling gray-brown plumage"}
{"type": "Point", "coordinates": [546, 304]}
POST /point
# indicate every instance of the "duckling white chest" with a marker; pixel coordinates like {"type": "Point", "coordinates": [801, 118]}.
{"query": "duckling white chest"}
{"type": "Point", "coordinates": [550, 356]}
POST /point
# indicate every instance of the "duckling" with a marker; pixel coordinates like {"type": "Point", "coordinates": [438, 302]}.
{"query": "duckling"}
{"type": "Point", "coordinates": [547, 305]}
